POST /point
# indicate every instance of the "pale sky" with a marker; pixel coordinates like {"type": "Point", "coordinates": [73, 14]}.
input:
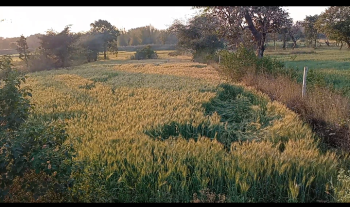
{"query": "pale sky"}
{"type": "Point", "coordinates": [28, 20]}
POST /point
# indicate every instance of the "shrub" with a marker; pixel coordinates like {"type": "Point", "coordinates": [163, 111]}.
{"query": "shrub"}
{"type": "Point", "coordinates": [38, 62]}
{"type": "Point", "coordinates": [144, 53]}
{"type": "Point", "coordinates": [237, 64]}
{"type": "Point", "coordinates": [29, 145]}
{"type": "Point", "coordinates": [205, 56]}
{"type": "Point", "coordinates": [14, 107]}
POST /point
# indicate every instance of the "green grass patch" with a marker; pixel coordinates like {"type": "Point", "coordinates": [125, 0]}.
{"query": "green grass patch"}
{"type": "Point", "coordinates": [242, 114]}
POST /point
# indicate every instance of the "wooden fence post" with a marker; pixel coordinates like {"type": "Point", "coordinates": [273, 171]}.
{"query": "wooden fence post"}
{"type": "Point", "coordinates": [303, 92]}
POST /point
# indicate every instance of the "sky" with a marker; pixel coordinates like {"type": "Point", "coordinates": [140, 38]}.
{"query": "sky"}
{"type": "Point", "coordinates": [28, 20]}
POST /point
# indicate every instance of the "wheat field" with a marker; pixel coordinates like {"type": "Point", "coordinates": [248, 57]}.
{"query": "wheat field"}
{"type": "Point", "coordinates": [108, 105]}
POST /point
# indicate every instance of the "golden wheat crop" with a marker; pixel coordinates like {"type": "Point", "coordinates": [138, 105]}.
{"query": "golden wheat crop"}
{"type": "Point", "coordinates": [106, 119]}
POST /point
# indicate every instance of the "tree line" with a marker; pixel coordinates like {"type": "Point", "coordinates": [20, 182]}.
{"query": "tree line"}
{"type": "Point", "coordinates": [65, 48]}
{"type": "Point", "coordinates": [228, 27]}
{"type": "Point", "coordinates": [215, 28]}
{"type": "Point", "coordinates": [146, 35]}
{"type": "Point", "coordinates": [133, 37]}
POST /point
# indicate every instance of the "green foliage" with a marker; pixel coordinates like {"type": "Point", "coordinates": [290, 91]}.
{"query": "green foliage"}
{"type": "Point", "coordinates": [29, 144]}
{"type": "Point", "coordinates": [237, 64]}
{"type": "Point", "coordinates": [108, 33]}
{"type": "Point", "coordinates": [311, 30]}
{"type": "Point", "coordinates": [22, 49]}
{"type": "Point", "coordinates": [199, 37]}
{"type": "Point", "coordinates": [40, 61]}
{"type": "Point", "coordinates": [334, 22]}
{"type": "Point", "coordinates": [235, 107]}
{"type": "Point", "coordinates": [315, 79]}
{"type": "Point", "coordinates": [38, 146]}
{"type": "Point", "coordinates": [14, 107]}
{"type": "Point", "coordinates": [144, 53]}
{"type": "Point", "coordinates": [90, 45]}
{"type": "Point", "coordinates": [91, 183]}
{"type": "Point", "coordinates": [58, 47]}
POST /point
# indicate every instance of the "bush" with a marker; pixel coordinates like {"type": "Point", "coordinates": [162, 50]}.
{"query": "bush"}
{"type": "Point", "coordinates": [237, 64]}
{"type": "Point", "coordinates": [29, 145]}
{"type": "Point", "coordinates": [38, 62]}
{"type": "Point", "coordinates": [14, 107]}
{"type": "Point", "coordinates": [205, 56]}
{"type": "Point", "coordinates": [144, 53]}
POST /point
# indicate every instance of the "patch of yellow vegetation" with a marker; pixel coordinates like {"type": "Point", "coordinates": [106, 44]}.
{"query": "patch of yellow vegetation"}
{"type": "Point", "coordinates": [113, 116]}
{"type": "Point", "coordinates": [182, 69]}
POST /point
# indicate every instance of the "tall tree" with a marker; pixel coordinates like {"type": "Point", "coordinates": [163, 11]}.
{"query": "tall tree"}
{"type": "Point", "coordinates": [33, 41]}
{"type": "Point", "coordinates": [259, 20]}
{"type": "Point", "coordinates": [22, 49]}
{"type": "Point", "coordinates": [58, 46]}
{"type": "Point", "coordinates": [295, 33]}
{"type": "Point", "coordinates": [284, 31]}
{"type": "Point", "coordinates": [199, 35]}
{"type": "Point", "coordinates": [334, 23]}
{"type": "Point", "coordinates": [91, 44]}
{"type": "Point", "coordinates": [109, 33]}
{"type": "Point", "coordinates": [290, 31]}
{"type": "Point", "coordinates": [310, 29]}
{"type": "Point", "coordinates": [122, 39]}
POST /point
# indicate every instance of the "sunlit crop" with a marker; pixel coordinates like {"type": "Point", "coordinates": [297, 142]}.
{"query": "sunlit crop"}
{"type": "Point", "coordinates": [109, 104]}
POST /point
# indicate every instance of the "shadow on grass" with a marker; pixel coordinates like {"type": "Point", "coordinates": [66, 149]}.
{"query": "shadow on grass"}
{"type": "Point", "coordinates": [234, 105]}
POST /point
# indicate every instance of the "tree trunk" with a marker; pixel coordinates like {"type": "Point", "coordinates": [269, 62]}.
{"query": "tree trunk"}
{"type": "Point", "coordinates": [105, 52]}
{"type": "Point", "coordinates": [294, 41]}
{"type": "Point", "coordinates": [315, 43]}
{"type": "Point", "coordinates": [341, 45]}
{"type": "Point", "coordinates": [25, 56]}
{"type": "Point", "coordinates": [258, 37]}
{"type": "Point", "coordinates": [284, 41]}
{"type": "Point", "coordinates": [274, 40]}
{"type": "Point", "coordinates": [261, 46]}
{"type": "Point", "coordinates": [327, 42]}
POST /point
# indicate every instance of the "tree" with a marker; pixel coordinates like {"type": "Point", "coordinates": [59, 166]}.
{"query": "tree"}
{"type": "Point", "coordinates": [14, 107]}
{"type": "Point", "coordinates": [108, 31]}
{"type": "Point", "coordinates": [295, 32]}
{"type": "Point", "coordinates": [334, 23]}
{"type": "Point", "coordinates": [163, 36]}
{"type": "Point", "coordinates": [33, 41]}
{"type": "Point", "coordinates": [259, 20]}
{"type": "Point", "coordinates": [91, 44]}
{"type": "Point", "coordinates": [284, 31]}
{"type": "Point", "coordinates": [290, 30]}
{"type": "Point", "coordinates": [134, 37]}
{"type": "Point", "coordinates": [58, 46]}
{"type": "Point", "coordinates": [310, 30]}
{"type": "Point", "coordinates": [22, 49]}
{"type": "Point", "coordinates": [122, 38]}
{"type": "Point", "coordinates": [199, 36]}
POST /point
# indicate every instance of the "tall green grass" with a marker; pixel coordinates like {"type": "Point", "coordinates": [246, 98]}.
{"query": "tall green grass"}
{"type": "Point", "coordinates": [330, 66]}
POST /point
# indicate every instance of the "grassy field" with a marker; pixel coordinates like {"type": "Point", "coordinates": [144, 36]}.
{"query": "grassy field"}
{"type": "Point", "coordinates": [330, 63]}
{"type": "Point", "coordinates": [172, 130]}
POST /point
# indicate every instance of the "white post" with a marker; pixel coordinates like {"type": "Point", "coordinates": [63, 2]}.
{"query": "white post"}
{"type": "Point", "coordinates": [219, 59]}
{"type": "Point", "coordinates": [303, 92]}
